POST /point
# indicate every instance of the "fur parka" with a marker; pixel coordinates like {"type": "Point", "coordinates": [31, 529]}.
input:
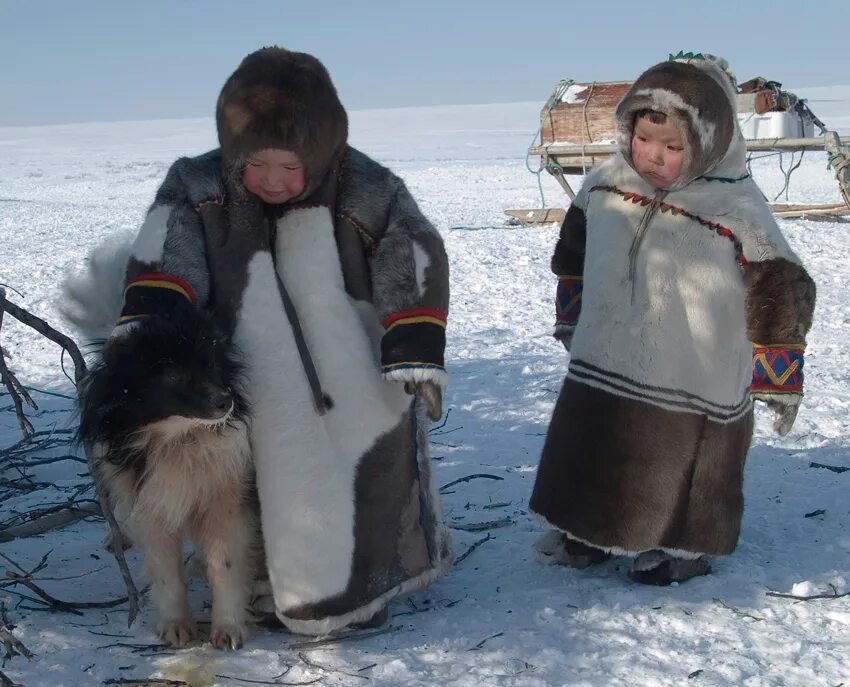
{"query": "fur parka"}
{"type": "Point", "coordinates": [335, 300]}
{"type": "Point", "coordinates": [670, 301]}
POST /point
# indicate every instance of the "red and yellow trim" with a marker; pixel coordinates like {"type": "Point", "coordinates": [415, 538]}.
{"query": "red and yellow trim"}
{"type": "Point", "coordinates": [162, 281]}
{"type": "Point", "coordinates": [415, 316]}
{"type": "Point", "coordinates": [778, 368]}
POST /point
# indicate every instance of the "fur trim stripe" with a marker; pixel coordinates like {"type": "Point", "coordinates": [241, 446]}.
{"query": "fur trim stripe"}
{"type": "Point", "coordinates": [154, 293]}
{"type": "Point", "coordinates": [725, 232]}
{"type": "Point", "coordinates": [416, 374]}
{"type": "Point", "coordinates": [616, 550]}
{"type": "Point", "coordinates": [163, 281]}
{"type": "Point", "coordinates": [676, 400]}
{"type": "Point", "coordinates": [414, 316]}
{"type": "Point", "coordinates": [331, 623]}
{"type": "Point", "coordinates": [777, 370]}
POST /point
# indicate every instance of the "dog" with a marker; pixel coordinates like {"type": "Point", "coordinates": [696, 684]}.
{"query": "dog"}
{"type": "Point", "coordinates": [167, 424]}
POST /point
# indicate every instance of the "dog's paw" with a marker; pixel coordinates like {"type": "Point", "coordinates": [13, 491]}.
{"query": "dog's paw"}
{"type": "Point", "coordinates": [228, 636]}
{"type": "Point", "coordinates": [178, 632]}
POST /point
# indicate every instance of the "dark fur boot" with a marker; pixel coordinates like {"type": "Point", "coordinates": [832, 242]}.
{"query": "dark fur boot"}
{"type": "Point", "coordinates": [557, 548]}
{"type": "Point", "coordinates": [659, 568]}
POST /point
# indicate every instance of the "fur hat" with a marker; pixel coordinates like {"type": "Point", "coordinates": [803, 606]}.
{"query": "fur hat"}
{"type": "Point", "coordinates": [277, 98]}
{"type": "Point", "coordinates": [698, 97]}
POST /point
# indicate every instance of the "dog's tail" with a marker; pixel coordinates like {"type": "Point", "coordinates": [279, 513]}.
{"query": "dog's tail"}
{"type": "Point", "coordinates": [92, 298]}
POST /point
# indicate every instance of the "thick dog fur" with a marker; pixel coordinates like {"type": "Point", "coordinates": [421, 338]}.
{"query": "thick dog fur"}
{"type": "Point", "coordinates": [168, 425]}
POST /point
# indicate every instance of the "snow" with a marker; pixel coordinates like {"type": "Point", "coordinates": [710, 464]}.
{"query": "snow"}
{"type": "Point", "coordinates": [500, 617]}
{"type": "Point", "coordinates": [571, 95]}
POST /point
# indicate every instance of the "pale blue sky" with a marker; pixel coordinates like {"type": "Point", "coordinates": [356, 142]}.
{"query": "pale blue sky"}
{"type": "Point", "coordinates": [74, 61]}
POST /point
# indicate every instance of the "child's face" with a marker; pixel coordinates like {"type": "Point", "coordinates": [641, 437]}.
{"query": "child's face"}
{"type": "Point", "coordinates": [657, 152]}
{"type": "Point", "coordinates": [276, 176]}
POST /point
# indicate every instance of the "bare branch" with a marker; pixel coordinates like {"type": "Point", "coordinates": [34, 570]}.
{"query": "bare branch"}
{"type": "Point", "coordinates": [47, 331]}
{"type": "Point", "coordinates": [737, 611]}
{"type": "Point", "coordinates": [274, 681]}
{"type": "Point", "coordinates": [470, 477]}
{"type": "Point", "coordinates": [832, 468]}
{"type": "Point", "coordinates": [143, 682]}
{"type": "Point", "coordinates": [481, 526]}
{"type": "Point", "coordinates": [329, 669]}
{"type": "Point", "coordinates": [6, 682]}
{"type": "Point", "coordinates": [61, 518]}
{"type": "Point", "coordinates": [796, 597]}
{"type": "Point", "coordinates": [59, 605]}
{"type": "Point", "coordinates": [472, 548]}
{"type": "Point", "coordinates": [13, 644]}
{"type": "Point", "coordinates": [71, 348]}
{"type": "Point", "coordinates": [480, 644]}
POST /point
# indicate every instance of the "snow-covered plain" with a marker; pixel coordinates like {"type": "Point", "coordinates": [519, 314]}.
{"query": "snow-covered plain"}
{"type": "Point", "coordinates": [500, 617]}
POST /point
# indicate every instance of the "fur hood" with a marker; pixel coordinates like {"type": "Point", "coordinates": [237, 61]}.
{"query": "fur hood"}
{"type": "Point", "coordinates": [699, 97]}
{"type": "Point", "coordinates": [277, 98]}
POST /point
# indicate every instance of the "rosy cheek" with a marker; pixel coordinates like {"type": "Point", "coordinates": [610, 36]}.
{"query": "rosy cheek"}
{"type": "Point", "coordinates": [296, 182]}
{"type": "Point", "coordinates": [251, 179]}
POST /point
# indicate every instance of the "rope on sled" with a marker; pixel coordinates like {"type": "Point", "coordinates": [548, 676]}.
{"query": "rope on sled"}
{"type": "Point", "coordinates": [787, 174]}
{"type": "Point", "coordinates": [838, 156]}
{"type": "Point", "coordinates": [551, 167]}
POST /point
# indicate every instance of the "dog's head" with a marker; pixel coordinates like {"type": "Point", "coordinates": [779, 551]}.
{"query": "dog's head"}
{"type": "Point", "coordinates": [177, 369]}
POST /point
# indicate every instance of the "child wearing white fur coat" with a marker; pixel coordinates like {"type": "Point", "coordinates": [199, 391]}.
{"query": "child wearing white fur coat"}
{"type": "Point", "coordinates": [680, 302]}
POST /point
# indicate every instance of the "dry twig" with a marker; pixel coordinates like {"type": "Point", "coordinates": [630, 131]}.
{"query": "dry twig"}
{"type": "Point", "coordinates": [274, 681]}
{"type": "Point", "coordinates": [143, 682]}
{"type": "Point", "coordinates": [59, 605]}
{"type": "Point", "coordinates": [472, 548]}
{"type": "Point", "coordinates": [328, 669]}
{"type": "Point", "coordinates": [470, 477]}
{"type": "Point", "coordinates": [5, 681]}
{"type": "Point", "coordinates": [832, 468]}
{"type": "Point", "coordinates": [71, 348]}
{"type": "Point", "coordinates": [13, 644]}
{"type": "Point", "coordinates": [813, 597]}
{"type": "Point", "coordinates": [736, 611]}
{"type": "Point", "coordinates": [60, 518]}
{"type": "Point", "coordinates": [481, 644]}
{"type": "Point", "coordinates": [481, 526]}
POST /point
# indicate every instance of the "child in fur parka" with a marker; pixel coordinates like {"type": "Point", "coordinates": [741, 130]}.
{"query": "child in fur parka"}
{"type": "Point", "coordinates": [680, 302]}
{"type": "Point", "coordinates": [319, 265]}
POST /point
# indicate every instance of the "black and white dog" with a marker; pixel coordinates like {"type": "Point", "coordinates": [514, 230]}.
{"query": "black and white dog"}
{"type": "Point", "coordinates": [166, 421]}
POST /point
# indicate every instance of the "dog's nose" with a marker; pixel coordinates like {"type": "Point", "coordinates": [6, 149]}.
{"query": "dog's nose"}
{"type": "Point", "coordinates": [222, 400]}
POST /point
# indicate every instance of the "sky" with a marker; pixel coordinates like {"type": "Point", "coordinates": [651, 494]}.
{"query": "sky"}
{"type": "Point", "coordinates": [154, 59]}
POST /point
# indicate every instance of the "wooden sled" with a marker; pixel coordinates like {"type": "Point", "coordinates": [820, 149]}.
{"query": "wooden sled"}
{"type": "Point", "coordinates": [577, 133]}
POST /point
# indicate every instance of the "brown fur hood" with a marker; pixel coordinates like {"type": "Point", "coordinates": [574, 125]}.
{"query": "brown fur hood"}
{"type": "Point", "coordinates": [699, 97]}
{"type": "Point", "coordinates": [277, 98]}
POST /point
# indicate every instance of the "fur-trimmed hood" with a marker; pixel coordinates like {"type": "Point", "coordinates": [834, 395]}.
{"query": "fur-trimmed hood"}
{"type": "Point", "coordinates": [699, 97]}
{"type": "Point", "coordinates": [277, 98]}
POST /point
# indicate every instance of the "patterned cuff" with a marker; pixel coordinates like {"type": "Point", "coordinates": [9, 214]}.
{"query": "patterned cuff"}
{"type": "Point", "coordinates": [413, 345]}
{"type": "Point", "coordinates": [568, 299]}
{"type": "Point", "coordinates": [777, 369]}
{"type": "Point", "coordinates": [151, 293]}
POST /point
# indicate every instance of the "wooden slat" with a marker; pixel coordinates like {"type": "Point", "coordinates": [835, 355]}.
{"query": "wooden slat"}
{"type": "Point", "coordinates": [827, 210]}
{"type": "Point", "coordinates": [603, 149]}
{"type": "Point", "coordinates": [538, 215]}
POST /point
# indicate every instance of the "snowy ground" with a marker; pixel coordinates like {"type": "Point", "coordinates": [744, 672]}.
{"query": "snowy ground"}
{"type": "Point", "coordinates": [500, 617]}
